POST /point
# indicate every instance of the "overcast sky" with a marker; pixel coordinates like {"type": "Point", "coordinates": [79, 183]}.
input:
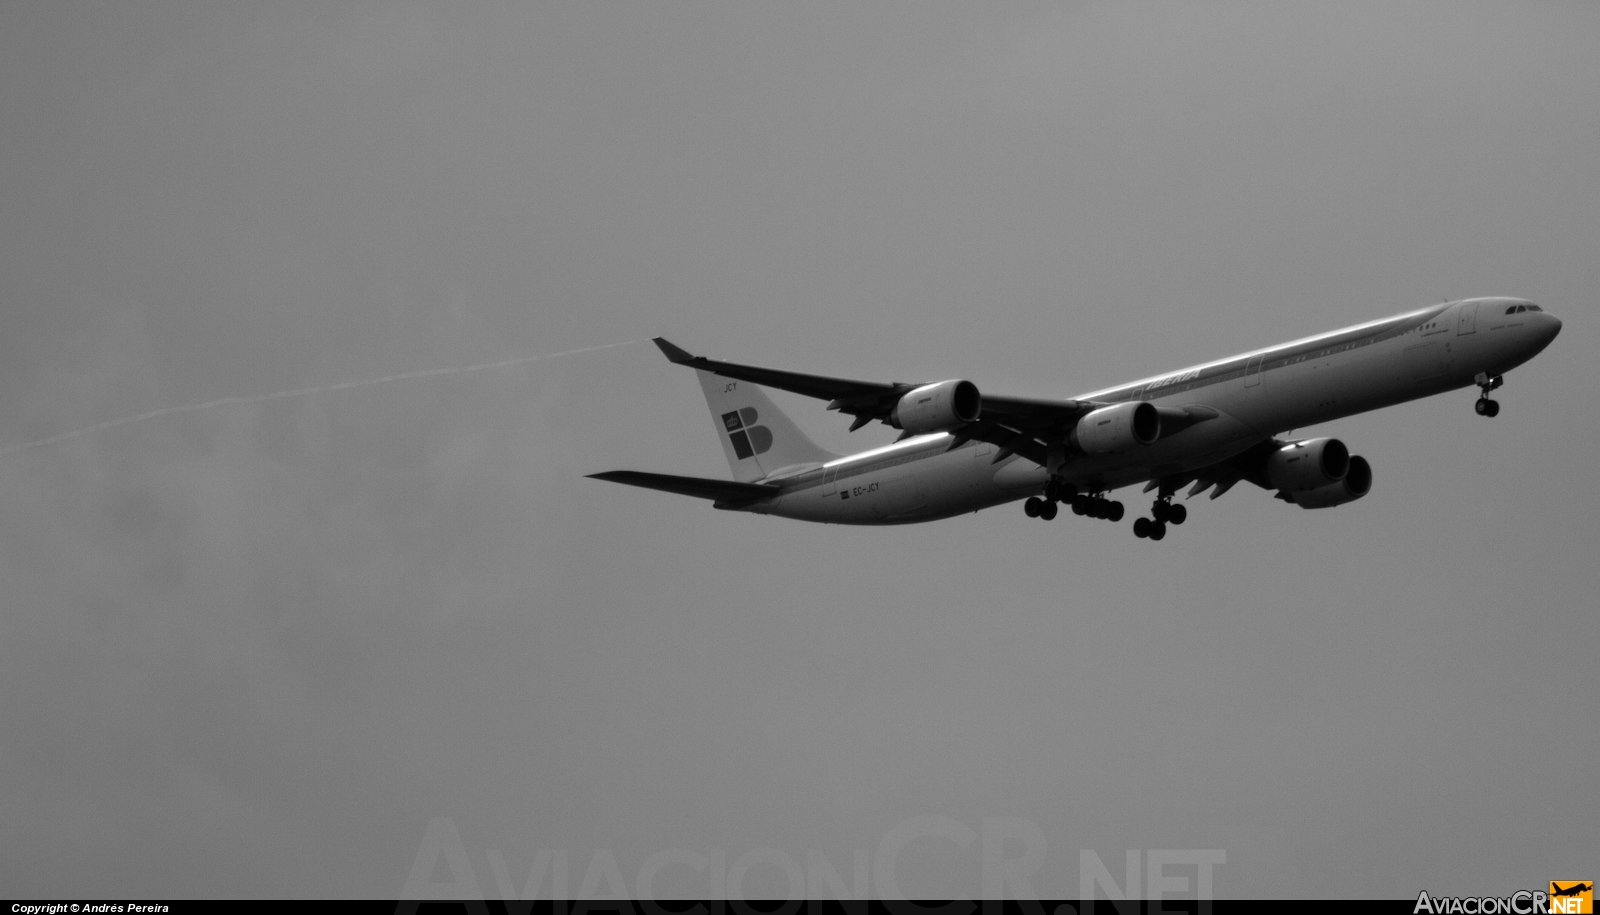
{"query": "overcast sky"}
{"type": "Point", "coordinates": [256, 649]}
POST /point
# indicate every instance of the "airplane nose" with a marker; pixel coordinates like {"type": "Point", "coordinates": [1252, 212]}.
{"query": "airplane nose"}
{"type": "Point", "coordinates": [1549, 327]}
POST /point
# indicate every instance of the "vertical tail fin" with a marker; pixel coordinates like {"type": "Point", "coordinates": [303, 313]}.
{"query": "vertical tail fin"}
{"type": "Point", "coordinates": [756, 436]}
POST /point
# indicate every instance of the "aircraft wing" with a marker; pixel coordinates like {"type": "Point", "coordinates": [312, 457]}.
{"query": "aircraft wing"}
{"type": "Point", "coordinates": [1019, 425]}
{"type": "Point", "coordinates": [725, 492]}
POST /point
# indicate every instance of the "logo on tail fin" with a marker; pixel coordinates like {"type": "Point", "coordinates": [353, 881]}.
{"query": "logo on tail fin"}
{"type": "Point", "coordinates": [748, 440]}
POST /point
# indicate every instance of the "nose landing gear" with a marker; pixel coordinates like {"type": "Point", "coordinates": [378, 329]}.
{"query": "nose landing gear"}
{"type": "Point", "coordinates": [1485, 406]}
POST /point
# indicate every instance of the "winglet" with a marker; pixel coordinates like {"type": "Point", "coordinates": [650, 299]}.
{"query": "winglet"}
{"type": "Point", "coordinates": [673, 354]}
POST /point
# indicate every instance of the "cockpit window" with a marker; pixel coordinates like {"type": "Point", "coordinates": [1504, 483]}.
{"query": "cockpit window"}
{"type": "Point", "coordinates": [1511, 309]}
{"type": "Point", "coordinates": [1532, 307]}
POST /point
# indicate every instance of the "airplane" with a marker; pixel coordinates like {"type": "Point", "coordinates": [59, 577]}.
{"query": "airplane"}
{"type": "Point", "coordinates": [1211, 425]}
{"type": "Point", "coordinates": [1577, 889]}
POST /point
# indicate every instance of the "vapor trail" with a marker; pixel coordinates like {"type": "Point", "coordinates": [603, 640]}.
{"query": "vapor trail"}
{"type": "Point", "coordinates": [257, 398]}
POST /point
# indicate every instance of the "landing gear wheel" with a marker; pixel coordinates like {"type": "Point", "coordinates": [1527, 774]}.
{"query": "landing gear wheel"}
{"type": "Point", "coordinates": [1047, 511]}
{"type": "Point", "coordinates": [1141, 527]}
{"type": "Point", "coordinates": [1164, 512]}
{"type": "Point", "coordinates": [1032, 506]}
{"type": "Point", "coordinates": [1485, 406]}
{"type": "Point", "coordinates": [1096, 507]}
{"type": "Point", "coordinates": [1158, 530]}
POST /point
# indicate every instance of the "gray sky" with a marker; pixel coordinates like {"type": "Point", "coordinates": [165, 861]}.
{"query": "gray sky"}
{"type": "Point", "coordinates": [256, 649]}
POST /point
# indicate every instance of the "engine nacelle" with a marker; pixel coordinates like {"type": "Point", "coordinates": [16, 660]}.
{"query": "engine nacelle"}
{"type": "Point", "coordinates": [1311, 464]}
{"type": "Point", "coordinates": [937, 407]}
{"type": "Point", "coordinates": [1119, 427]}
{"type": "Point", "coordinates": [1356, 483]}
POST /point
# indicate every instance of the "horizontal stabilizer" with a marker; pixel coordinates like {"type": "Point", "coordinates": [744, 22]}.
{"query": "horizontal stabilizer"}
{"type": "Point", "coordinates": [699, 487]}
{"type": "Point", "coordinates": [673, 353]}
{"type": "Point", "coordinates": [818, 386]}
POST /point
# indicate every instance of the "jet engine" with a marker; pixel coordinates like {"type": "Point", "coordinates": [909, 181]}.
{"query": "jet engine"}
{"type": "Point", "coordinates": [937, 407]}
{"type": "Point", "coordinates": [1118, 427]}
{"type": "Point", "coordinates": [1357, 482]}
{"type": "Point", "coordinates": [1311, 464]}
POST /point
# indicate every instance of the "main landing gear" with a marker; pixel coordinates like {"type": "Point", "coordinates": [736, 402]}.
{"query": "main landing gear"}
{"type": "Point", "coordinates": [1485, 406]}
{"type": "Point", "coordinates": [1162, 513]}
{"type": "Point", "coordinates": [1097, 507]}
{"type": "Point", "coordinates": [1092, 506]}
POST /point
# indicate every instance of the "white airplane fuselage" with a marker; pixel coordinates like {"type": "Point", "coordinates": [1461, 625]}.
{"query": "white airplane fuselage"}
{"type": "Point", "coordinates": [1253, 395]}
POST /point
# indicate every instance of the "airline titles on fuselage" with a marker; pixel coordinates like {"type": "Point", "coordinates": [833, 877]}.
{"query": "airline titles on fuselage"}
{"type": "Point", "coordinates": [1173, 379]}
